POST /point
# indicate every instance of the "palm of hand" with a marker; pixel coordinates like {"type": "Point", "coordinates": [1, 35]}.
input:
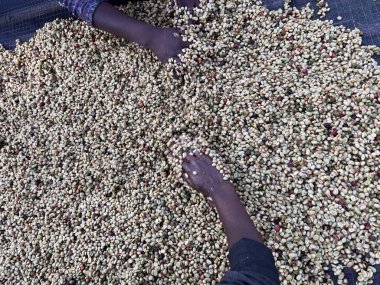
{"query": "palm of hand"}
{"type": "Point", "coordinates": [167, 44]}
{"type": "Point", "coordinates": [202, 175]}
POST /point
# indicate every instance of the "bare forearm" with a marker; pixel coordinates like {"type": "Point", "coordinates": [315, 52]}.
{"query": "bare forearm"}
{"type": "Point", "coordinates": [234, 217]}
{"type": "Point", "coordinates": [201, 174]}
{"type": "Point", "coordinates": [110, 19]}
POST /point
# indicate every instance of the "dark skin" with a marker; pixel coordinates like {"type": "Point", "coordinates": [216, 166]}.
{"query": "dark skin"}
{"type": "Point", "coordinates": [209, 182]}
{"type": "Point", "coordinates": [165, 43]}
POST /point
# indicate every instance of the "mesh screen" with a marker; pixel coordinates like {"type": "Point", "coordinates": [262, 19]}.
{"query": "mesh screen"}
{"type": "Point", "coordinates": [361, 14]}
{"type": "Point", "coordinates": [19, 19]}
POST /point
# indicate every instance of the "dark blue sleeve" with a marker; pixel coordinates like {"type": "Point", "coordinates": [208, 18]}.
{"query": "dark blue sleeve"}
{"type": "Point", "coordinates": [83, 9]}
{"type": "Point", "coordinates": [251, 263]}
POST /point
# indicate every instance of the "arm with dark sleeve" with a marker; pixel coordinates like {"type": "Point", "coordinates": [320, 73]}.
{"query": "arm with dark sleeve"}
{"type": "Point", "coordinates": [164, 42]}
{"type": "Point", "coordinates": [251, 262]}
{"type": "Point", "coordinates": [82, 9]}
{"type": "Point", "coordinates": [106, 17]}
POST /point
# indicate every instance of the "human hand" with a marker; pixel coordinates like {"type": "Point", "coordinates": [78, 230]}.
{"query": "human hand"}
{"type": "Point", "coordinates": [167, 43]}
{"type": "Point", "coordinates": [201, 175]}
{"type": "Point", "coordinates": [190, 4]}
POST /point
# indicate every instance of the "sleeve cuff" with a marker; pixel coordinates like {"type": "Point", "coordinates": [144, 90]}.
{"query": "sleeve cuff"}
{"type": "Point", "coordinates": [248, 254]}
{"type": "Point", "coordinates": [82, 9]}
{"type": "Point", "coordinates": [90, 11]}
